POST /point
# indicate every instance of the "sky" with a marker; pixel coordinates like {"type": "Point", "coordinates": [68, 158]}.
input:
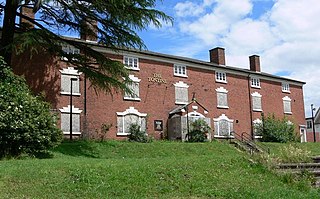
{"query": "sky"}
{"type": "Point", "coordinates": [284, 33]}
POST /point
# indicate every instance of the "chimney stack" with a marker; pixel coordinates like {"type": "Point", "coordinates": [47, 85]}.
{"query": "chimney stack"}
{"type": "Point", "coordinates": [89, 31]}
{"type": "Point", "coordinates": [217, 56]}
{"type": "Point", "coordinates": [255, 63]}
{"type": "Point", "coordinates": [28, 12]}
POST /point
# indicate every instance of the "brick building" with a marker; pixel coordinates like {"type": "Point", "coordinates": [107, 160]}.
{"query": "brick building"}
{"type": "Point", "coordinates": [168, 91]}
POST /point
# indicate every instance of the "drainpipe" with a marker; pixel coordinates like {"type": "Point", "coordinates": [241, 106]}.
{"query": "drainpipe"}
{"type": "Point", "coordinates": [250, 107]}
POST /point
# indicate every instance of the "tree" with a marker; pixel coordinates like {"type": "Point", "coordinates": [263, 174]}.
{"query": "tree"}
{"type": "Point", "coordinates": [26, 123]}
{"type": "Point", "coordinates": [116, 22]}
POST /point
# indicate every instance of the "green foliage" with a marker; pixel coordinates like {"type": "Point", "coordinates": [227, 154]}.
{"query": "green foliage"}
{"type": "Point", "coordinates": [276, 130]}
{"type": "Point", "coordinates": [116, 23]}
{"type": "Point", "coordinates": [199, 131]}
{"type": "Point", "coordinates": [294, 154]}
{"type": "Point", "coordinates": [26, 124]}
{"type": "Point", "coordinates": [117, 169]}
{"type": "Point", "coordinates": [136, 135]}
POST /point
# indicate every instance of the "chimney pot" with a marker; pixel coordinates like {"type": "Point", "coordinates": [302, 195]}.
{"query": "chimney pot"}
{"type": "Point", "coordinates": [217, 56]}
{"type": "Point", "coordinates": [255, 63]}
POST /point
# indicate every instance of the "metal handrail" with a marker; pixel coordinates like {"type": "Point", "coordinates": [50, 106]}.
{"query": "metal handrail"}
{"type": "Point", "coordinates": [246, 138]}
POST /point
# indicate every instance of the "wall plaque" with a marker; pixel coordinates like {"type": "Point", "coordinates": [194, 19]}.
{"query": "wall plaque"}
{"type": "Point", "coordinates": [158, 125]}
{"type": "Point", "coordinates": [156, 77]}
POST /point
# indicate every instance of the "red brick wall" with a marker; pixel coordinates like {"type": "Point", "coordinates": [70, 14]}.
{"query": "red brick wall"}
{"type": "Point", "coordinates": [157, 100]}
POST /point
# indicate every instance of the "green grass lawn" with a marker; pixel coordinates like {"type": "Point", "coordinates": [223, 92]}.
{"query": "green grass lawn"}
{"type": "Point", "coordinates": [314, 148]}
{"type": "Point", "coordinates": [144, 170]}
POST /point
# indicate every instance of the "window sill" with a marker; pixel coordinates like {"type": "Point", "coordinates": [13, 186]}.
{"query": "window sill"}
{"type": "Point", "coordinates": [258, 87]}
{"type": "Point", "coordinates": [123, 134]}
{"type": "Point", "coordinates": [257, 110]}
{"type": "Point", "coordinates": [221, 81]}
{"type": "Point", "coordinates": [179, 75]}
{"type": "Point", "coordinates": [68, 93]}
{"type": "Point", "coordinates": [132, 99]}
{"type": "Point", "coordinates": [131, 68]}
{"type": "Point", "coordinates": [288, 113]}
{"type": "Point", "coordinates": [286, 91]}
{"type": "Point", "coordinates": [181, 103]}
{"type": "Point", "coordinates": [223, 107]}
{"type": "Point", "coordinates": [73, 133]}
{"type": "Point", "coordinates": [223, 136]}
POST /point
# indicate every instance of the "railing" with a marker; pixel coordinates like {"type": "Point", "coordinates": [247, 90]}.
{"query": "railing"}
{"type": "Point", "coordinates": [252, 145]}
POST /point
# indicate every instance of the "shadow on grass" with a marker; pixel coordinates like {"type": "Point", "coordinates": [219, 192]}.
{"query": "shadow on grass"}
{"type": "Point", "coordinates": [78, 148]}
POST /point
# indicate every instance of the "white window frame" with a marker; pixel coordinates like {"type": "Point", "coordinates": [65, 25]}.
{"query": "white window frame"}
{"type": "Point", "coordinates": [309, 122]}
{"type": "Point", "coordinates": [287, 100]}
{"type": "Point", "coordinates": [75, 112]}
{"type": "Point", "coordinates": [222, 91]}
{"type": "Point", "coordinates": [136, 83]}
{"type": "Point", "coordinates": [216, 124]}
{"type": "Point", "coordinates": [130, 111]}
{"type": "Point", "coordinates": [69, 73]}
{"type": "Point", "coordinates": [255, 82]}
{"type": "Point", "coordinates": [221, 77]}
{"type": "Point", "coordinates": [180, 70]}
{"type": "Point", "coordinates": [285, 87]}
{"type": "Point", "coordinates": [131, 63]}
{"type": "Point", "coordinates": [181, 85]}
{"type": "Point", "coordinates": [69, 49]}
{"type": "Point", "coordinates": [258, 96]}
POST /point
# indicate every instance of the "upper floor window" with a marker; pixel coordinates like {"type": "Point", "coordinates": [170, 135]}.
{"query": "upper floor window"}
{"type": "Point", "coordinates": [180, 70]}
{"type": "Point", "coordinates": [221, 77]}
{"type": "Point", "coordinates": [222, 98]}
{"type": "Point", "coordinates": [69, 49]}
{"type": "Point", "coordinates": [285, 87]}
{"type": "Point", "coordinates": [181, 93]}
{"type": "Point", "coordinates": [134, 87]}
{"type": "Point", "coordinates": [127, 118]}
{"type": "Point", "coordinates": [131, 62]}
{"type": "Point", "coordinates": [70, 76]}
{"type": "Point", "coordinates": [255, 82]}
{"type": "Point", "coordinates": [256, 101]}
{"type": "Point", "coordinates": [287, 105]}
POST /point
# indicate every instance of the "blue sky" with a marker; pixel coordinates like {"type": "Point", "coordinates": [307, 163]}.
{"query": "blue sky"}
{"type": "Point", "coordinates": [284, 33]}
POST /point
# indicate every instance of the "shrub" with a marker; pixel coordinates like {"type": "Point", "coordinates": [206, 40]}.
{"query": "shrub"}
{"type": "Point", "coordinates": [276, 130]}
{"type": "Point", "coordinates": [26, 124]}
{"type": "Point", "coordinates": [136, 135]}
{"type": "Point", "coordinates": [199, 131]}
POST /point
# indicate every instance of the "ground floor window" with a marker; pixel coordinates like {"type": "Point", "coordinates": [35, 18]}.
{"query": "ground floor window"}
{"type": "Point", "coordinates": [65, 120]}
{"type": "Point", "coordinates": [256, 127]}
{"type": "Point", "coordinates": [127, 118]}
{"type": "Point", "coordinates": [223, 126]}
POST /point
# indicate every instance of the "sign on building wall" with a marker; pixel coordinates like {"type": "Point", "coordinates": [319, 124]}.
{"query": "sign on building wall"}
{"type": "Point", "coordinates": [156, 77]}
{"type": "Point", "coordinates": [158, 125]}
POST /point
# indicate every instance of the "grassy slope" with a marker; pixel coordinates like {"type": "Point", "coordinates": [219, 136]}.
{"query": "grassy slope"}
{"type": "Point", "coordinates": [314, 148]}
{"type": "Point", "coordinates": [154, 170]}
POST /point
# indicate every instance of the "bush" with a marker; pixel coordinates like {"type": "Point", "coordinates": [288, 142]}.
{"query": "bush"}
{"type": "Point", "coordinates": [136, 135]}
{"type": "Point", "coordinates": [294, 154]}
{"type": "Point", "coordinates": [199, 131]}
{"type": "Point", "coordinates": [26, 124]}
{"type": "Point", "coordinates": [276, 130]}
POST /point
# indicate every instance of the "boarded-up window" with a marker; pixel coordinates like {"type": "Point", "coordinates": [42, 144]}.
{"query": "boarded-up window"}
{"type": "Point", "coordinates": [287, 105]}
{"type": "Point", "coordinates": [223, 126]}
{"type": "Point", "coordinates": [134, 86]}
{"type": "Point", "coordinates": [222, 98]}
{"type": "Point", "coordinates": [65, 120]}
{"type": "Point", "coordinates": [181, 93]}
{"type": "Point", "coordinates": [66, 76]}
{"type": "Point", "coordinates": [127, 118]}
{"type": "Point", "coordinates": [256, 101]}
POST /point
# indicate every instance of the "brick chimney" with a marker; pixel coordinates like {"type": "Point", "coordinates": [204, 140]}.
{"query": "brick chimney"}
{"type": "Point", "coordinates": [217, 56]}
{"type": "Point", "coordinates": [89, 32]}
{"type": "Point", "coordinates": [26, 11]}
{"type": "Point", "coordinates": [255, 63]}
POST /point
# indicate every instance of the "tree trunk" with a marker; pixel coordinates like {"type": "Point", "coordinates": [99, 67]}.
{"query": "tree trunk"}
{"type": "Point", "coordinates": [8, 29]}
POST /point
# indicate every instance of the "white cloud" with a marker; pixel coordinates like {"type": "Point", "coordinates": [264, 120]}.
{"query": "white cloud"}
{"type": "Point", "coordinates": [287, 36]}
